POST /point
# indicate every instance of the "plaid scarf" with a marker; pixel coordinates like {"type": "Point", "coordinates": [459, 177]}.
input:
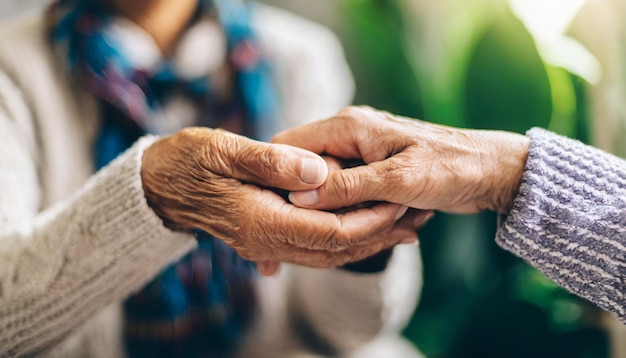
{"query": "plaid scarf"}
{"type": "Point", "coordinates": [201, 305]}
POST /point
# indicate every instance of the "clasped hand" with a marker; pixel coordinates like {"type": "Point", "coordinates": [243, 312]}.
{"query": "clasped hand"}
{"type": "Point", "coordinates": [225, 184]}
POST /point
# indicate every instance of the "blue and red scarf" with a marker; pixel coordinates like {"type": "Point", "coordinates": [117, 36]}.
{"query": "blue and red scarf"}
{"type": "Point", "coordinates": [200, 306]}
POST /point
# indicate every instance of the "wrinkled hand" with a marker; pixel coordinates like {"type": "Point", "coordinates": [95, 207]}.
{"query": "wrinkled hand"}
{"type": "Point", "coordinates": [405, 228]}
{"type": "Point", "coordinates": [217, 181]}
{"type": "Point", "coordinates": [411, 162]}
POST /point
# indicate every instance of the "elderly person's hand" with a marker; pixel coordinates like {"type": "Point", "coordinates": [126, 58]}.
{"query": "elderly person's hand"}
{"type": "Point", "coordinates": [411, 162]}
{"type": "Point", "coordinates": [222, 183]}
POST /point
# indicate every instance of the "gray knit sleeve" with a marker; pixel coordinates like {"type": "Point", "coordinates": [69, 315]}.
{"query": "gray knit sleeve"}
{"type": "Point", "coordinates": [569, 219]}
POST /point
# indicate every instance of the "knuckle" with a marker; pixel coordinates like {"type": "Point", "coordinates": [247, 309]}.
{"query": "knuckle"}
{"type": "Point", "coordinates": [257, 161]}
{"type": "Point", "coordinates": [368, 110]}
{"type": "Point", "coordinates": [222, 152]}
{"type": "Point", "coordinates": [190, 134]}
{"type": "Point", "coordinates": [354, 115]}
{"type": "Point", "coordinates": [397, 175]}
{"type": "Point", "coordinates": [356, 111]}
{"type": "Point", "coordinates": [349, 111]}
{"type": "Point", "coordinates": [404, 178]}
{"type": "Point", "coordinates": [328, 240]}
{"type": "Point", "coordinates": [340, 240]}
{"type": "Point", "coordinates": [266, 157]}
{"type": "Point", "coordinates": [360, 112]}
{"type": "Point", "coordinates": [346, 186]}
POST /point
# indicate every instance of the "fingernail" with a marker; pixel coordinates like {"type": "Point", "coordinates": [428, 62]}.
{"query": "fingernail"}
{"type": "Point", "coordinates": [313, 171]}
{"type": "Point", "coordinates": [304, 198]}
{"type": "Point", "coordinates": [261, 269]}
{"type": "Point", "coordinates": [273, 270]}
{"type": "Point", "coordinates": [401, 211]}
{"type": "Point", "coordinates": [409, 240]}
{"type": "Point", "coordinates": [423, 219]}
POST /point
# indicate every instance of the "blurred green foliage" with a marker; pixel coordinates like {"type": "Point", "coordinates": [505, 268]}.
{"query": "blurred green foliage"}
{"type": "Point", "coordinates": [485, 72]}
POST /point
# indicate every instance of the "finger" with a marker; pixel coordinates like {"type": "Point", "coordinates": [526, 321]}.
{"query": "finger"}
{"type": "Point", "coordinates": [403, 232]}
{"type": "Point", "coordinates": [347, 187]}
{"type": "Point", "coordinates": [267, 268]}
{"type": "Point", "coordinates": [313, 258]}
{"type": "Point", "coordinates": [274, 165]}
{"type": "Point", "coordinates": [364, 225]}
{"type": "Point", "coordinates": [325, 259]}
{"type": "Point", "coordinates": [313, 229]}
{"type": "Point", "coordinates": [385, 241]}
{"type": "Point", "coordinates": [333, 164]}
{"type": "Point", "coordinates": [405, 229]}
{"type": "Point", "coordinates": [336, 136]}
{"type": "Point", "coordinates": [422, 218]}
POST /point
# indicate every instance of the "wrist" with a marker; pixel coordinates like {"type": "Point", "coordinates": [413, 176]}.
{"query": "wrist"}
{"type": "Point", "coordinates": [150, 183]}
{"type": "Point", "coordinates": [509, 154]}
{"type": "Point", "coordinates": [157, 180]}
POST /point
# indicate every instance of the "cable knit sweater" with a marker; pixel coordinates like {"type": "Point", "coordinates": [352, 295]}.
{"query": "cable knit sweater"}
{"type": "Point", "coordinates": [569, 219]}
{"type": "Point", "coordinates": [74, 243]}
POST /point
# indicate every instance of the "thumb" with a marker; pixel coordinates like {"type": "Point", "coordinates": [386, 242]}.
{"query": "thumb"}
{"type": "Point", "coordinates": [274, 165]}
{"type": "Point", "coordinates": [344, 188]}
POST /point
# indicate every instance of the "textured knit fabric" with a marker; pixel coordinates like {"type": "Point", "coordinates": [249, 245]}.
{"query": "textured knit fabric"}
{"type": "Point", "coordinates": [569, 219]}
{"type": "Point", "coordinates": [202, 305]}
{"type": "Point", "coordinates": [74, 243]}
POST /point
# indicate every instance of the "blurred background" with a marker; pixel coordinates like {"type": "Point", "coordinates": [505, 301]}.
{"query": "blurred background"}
{"type": "Point", "coordinates": [497, 64]}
